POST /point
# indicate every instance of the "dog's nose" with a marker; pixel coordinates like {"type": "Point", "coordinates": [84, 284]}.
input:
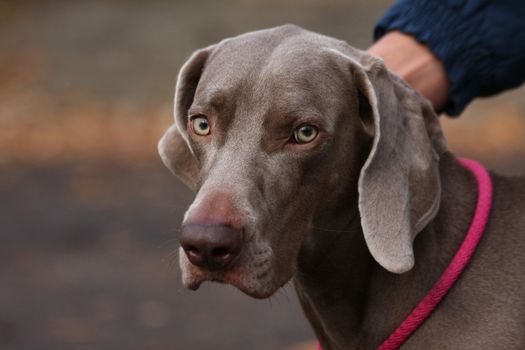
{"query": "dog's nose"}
{"type": "Point", "coordinates": [211, 246]}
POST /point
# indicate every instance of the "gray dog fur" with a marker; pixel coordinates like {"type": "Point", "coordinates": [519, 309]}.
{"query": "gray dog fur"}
{"type": "Point", "coordinates": [339, 215]}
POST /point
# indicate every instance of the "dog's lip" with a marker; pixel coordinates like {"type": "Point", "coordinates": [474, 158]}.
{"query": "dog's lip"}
{"type": "Point", "coordinates": [231, 277]}
{"type": "Point", "coordinates": [202, 276]}
{"type": "Point", "coordinates": [196, 283]}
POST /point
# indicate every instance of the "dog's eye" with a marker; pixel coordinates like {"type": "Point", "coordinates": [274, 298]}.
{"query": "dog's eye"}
{"type": "Point", "coordinates": [201, 126]}
{"type": "Point", "coordinates": [305, 133]}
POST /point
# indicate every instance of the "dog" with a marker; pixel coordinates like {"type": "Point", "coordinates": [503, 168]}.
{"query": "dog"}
{"type": "Point", "coordinates": [313, 163]}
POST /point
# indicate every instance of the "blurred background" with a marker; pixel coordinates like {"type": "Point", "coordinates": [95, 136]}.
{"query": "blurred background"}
{"type": "Point", "coordinates": [88, 215]}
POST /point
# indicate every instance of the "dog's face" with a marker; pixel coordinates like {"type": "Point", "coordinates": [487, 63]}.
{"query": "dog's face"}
{"type": "Point", "coordinates": [272, 130]}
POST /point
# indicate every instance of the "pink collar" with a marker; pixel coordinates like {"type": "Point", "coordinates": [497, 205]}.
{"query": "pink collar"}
{"type": "Point", "coordinates": [456, 266]}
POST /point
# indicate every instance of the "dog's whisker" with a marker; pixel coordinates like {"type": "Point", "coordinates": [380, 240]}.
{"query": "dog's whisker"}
{"type": "Point", "coordinates": [171, 241]}
{"type": "Point", "coordinates": [171, 260]}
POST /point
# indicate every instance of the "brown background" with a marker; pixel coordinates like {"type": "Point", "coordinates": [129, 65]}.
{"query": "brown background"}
{"type": "Point", "coordinates": [88, 215]}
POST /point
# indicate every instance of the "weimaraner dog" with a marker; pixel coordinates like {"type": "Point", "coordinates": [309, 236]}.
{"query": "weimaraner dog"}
{"type": "Point", "coordinates": [311, 162]}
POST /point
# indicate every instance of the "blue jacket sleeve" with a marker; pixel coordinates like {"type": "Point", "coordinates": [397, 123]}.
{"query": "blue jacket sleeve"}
{"type": "Point", "coordinates": [481, 42]}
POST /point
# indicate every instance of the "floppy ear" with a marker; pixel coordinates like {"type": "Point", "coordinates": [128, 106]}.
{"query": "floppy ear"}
{"type": "Point", "coordinates": [173, 147]}
{"type": "Point", "coordinates": [177, 157]}
{"type": "Point", "coordinates": [399, 184]}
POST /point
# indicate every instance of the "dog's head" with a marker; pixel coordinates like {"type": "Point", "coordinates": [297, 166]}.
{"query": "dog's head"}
{"type": "Point", "coordinates": [276, 128]}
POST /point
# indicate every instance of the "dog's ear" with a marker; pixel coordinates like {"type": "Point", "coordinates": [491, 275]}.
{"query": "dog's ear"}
{"type": "Point", "coordinates": [399, 184]}
{"type": "Point", "coordinates": [177, 157]}
{"type": "Point", "coordinates": [173, 147]}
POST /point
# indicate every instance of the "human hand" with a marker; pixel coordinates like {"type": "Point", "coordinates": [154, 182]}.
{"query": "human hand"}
{"type": "Point", "coordinates": [416, 64]}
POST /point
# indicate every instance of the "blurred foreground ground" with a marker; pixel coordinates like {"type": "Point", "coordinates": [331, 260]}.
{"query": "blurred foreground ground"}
{"type": "Point", "coordinates": [88, 215]}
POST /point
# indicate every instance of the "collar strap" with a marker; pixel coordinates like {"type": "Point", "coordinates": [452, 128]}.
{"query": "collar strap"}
{"type": "Point", "coordinates": [456, 266]}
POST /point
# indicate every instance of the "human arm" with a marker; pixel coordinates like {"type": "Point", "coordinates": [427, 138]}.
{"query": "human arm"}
{"type": "Point", "coordinates": [415, 63]}
{"type": "Point", "coordinates": [479, 45]}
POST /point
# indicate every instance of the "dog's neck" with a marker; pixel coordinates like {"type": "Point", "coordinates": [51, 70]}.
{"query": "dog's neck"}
{"type": "Point", "coordinates": [349, 299]}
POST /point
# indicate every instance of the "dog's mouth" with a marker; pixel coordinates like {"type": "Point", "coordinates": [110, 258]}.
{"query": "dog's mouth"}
{"type": "Point", "coordinates": [233, 278]}
{"type": "Point", "coordinates": [254, 279]}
